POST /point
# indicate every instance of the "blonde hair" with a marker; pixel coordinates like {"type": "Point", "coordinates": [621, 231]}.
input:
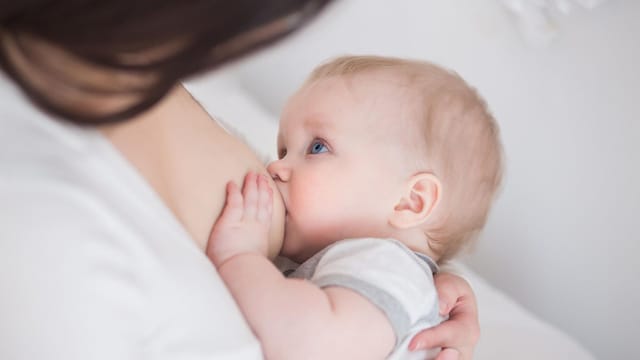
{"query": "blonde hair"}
{"type": "Point", "coordinates": [459, 138]}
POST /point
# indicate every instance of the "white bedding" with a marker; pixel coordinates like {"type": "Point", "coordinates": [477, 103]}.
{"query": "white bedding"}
{"type": "Point", "coordinates": [508, 331]}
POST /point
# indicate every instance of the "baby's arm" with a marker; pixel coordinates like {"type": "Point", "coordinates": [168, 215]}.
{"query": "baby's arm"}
{"type": "Point", "coordinates": [292, 318]}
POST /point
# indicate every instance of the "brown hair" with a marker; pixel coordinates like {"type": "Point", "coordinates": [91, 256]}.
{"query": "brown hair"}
{"type": "Point", "coordinates": [459, 139]}
{"type": "Point", "coordinates": [142, 47]}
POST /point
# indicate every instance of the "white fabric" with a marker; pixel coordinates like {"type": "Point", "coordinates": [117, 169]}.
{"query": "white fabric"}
{"type": "Point", "coordinates": [94, 266]}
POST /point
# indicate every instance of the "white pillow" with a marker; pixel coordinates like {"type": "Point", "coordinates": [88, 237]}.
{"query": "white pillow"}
{"type": "Point", "coordinates": [237, 110]}
{"type": "Point", "coordinates": [509, 331]}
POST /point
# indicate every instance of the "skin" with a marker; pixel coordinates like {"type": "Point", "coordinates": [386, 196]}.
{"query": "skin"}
{"type": "Point", "coordinates": [329, 177]}
{"type": "Point", "coordinates": [338, 193]}
{"type": "Point", "coordinates": [186, 155]}
{"type": "Point", "coordinates": [292, 318]}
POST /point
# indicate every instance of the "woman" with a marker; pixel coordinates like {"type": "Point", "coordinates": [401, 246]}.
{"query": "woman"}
{"type": "Point", "coordinates": [111, 183]}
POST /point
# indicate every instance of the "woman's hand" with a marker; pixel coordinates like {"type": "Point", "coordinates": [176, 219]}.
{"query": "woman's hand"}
{"type": "Point", "coordinates": [243, 226]}
{"type": "Point", "coordinates": [459, 335]}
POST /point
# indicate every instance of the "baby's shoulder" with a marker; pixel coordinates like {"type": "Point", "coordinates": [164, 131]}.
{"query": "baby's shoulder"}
{"type": "Point", "coordinates": [375, 249]}
{"type": "Point", "coordinates": [367, 257]}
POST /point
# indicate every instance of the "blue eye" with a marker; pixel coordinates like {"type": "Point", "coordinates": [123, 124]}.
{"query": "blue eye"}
{"type": "Point", "coordinates": [317, 147]}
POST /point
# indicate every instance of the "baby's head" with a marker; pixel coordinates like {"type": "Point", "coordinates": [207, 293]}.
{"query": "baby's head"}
{"type": "Point", "coordinates": [385, 147]}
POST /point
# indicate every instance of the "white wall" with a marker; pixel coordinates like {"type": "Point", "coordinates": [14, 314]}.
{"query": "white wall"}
{"type": "Point", "coordinates": [561, 239]}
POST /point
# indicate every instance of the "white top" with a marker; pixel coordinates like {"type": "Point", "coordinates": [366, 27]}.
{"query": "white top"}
{"type": "Point", "coordinates": [94, 265]}
{"type": "Point", "coordinates": [388, 274]}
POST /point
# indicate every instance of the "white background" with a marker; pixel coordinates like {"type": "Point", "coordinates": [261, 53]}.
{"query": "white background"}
{"type": "Point", "coordinates": [562, 238]}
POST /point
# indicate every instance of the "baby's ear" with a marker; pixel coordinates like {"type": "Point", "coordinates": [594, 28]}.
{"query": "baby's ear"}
{"type": "Point", "coordinates": [421, 196]}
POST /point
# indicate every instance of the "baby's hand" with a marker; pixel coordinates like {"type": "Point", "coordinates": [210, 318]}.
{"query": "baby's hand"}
{"type": "Point", "coordinates": [243, 226]}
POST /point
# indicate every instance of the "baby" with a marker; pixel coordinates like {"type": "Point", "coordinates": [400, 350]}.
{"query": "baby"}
{"type": "Point", "coordinates": [387, 167]}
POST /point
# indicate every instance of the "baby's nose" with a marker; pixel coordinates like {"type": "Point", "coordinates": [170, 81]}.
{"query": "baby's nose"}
{"type": "Point", "coordinates": [279, 170]}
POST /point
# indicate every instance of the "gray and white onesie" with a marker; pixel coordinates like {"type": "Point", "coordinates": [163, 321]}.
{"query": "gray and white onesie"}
{"type": "Point", "coordinates": [390, 275]}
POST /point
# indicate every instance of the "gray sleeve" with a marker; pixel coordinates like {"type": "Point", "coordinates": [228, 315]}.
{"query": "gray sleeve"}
{"type": "Point", "coordinates": [383, 271]}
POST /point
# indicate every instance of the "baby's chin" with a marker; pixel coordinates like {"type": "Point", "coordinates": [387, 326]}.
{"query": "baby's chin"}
{"type": "Point", "coordinates": [286, 251]}
{"type": "Point", "coordinates": [299, 254]}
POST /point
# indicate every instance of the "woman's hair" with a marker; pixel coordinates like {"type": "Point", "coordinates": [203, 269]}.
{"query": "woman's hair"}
{"type": "Point", "coordinates": [133, 49]}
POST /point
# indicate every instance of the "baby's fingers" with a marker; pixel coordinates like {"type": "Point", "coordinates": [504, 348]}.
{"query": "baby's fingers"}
{"type": "Point", "coordinates": [233, 207]}
{"type": "Point", "coordinates": [265, 200]}
{"type": "Point", "coordinates": [250, 194]}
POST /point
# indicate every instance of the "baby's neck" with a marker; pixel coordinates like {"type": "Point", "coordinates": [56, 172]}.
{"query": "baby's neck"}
{"type": "Point", "coordinates": [416, 240]}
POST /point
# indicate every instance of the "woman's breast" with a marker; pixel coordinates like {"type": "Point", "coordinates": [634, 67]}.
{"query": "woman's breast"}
{"type": "Point", "coordinates": [216, 158]}
{"type": "Point", "coordinates": [188, 158]}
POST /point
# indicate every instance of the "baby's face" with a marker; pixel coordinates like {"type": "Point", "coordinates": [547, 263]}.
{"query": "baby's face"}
{"type": "Point", "coordinates": [340, 166]}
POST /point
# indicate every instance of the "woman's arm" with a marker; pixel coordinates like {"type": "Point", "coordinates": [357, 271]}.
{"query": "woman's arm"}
{"type": "Point", "coordinates": [459, 335]}
{"type": "Point", "coordinates": [292, 318]}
